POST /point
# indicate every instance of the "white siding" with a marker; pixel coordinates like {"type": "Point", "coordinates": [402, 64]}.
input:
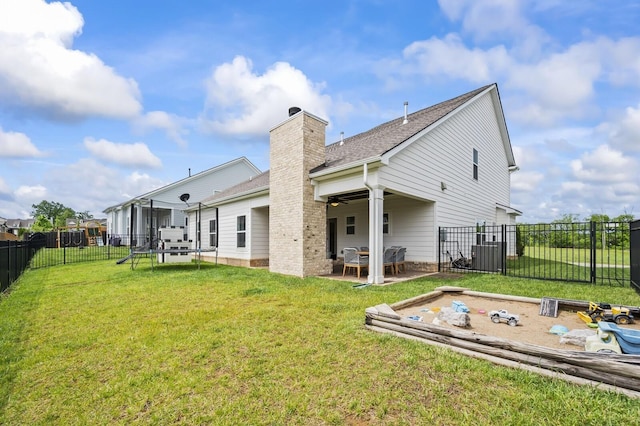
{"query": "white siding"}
{"type": "Point", "coordinates": [198, 186]}
{"type": "Point", "coordinates": [257, 228]}
{"type": "Point", "coordinates": [357, 209]}
{"type": "Point", "coordinates": [259, 233]}
{"type": "Point", "coordinates": [445, 154]}
{"type": "Point", "coordinates": [411, 225]}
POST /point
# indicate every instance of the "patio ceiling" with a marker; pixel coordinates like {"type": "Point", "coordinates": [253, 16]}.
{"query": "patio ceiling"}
{"type": "Point", "coordinates": [351, 196]}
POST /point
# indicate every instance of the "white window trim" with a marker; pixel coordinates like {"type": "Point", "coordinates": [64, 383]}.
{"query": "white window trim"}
{"type": "Point", "coordinates": [347, 225]}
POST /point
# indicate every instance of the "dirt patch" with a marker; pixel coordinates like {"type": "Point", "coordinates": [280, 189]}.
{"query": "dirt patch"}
{"type": "Point", "coordinates": [532, 328]}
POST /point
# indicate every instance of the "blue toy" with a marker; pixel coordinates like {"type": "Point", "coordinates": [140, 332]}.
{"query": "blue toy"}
{"type": "Point", "coordinates": [628, 339]}
{"type": "Point", "coordinates": [459, 306]}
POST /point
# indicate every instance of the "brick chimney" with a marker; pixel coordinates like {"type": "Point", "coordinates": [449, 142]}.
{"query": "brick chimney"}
{"type": "Point", "coordinates": [297, 223]}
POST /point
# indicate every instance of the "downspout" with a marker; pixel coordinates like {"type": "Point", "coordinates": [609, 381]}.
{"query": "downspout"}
{"type": "Point", "coordinates": [376, 270]}
{"type": "Point", "coordinates": [217, 233]}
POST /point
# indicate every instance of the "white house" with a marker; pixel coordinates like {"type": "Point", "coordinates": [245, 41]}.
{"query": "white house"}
{"type": "Point", "coordinates": [164, 207]}
{"type": "Point", "coordinates": [396, 184]}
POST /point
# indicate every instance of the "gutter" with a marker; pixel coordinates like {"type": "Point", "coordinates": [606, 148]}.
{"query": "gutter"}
{"type": "Point", "coordinates": [345, 167]}
{"type": "Point", "coordinates": [235, 197]}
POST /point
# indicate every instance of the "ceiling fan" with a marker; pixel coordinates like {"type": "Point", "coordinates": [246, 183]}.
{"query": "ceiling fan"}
{"type": "Point", "coordinates": [334, 201]}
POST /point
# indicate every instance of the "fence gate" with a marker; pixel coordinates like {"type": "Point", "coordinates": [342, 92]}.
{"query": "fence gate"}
{"type": "Point", "coordinates": [634, 247]}
{"type": "Point", "coordinates": [590, 252]}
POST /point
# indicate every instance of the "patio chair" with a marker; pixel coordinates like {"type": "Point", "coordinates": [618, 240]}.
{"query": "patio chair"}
{"type": "Point", "coordinates": [389, 260]}
{"type": "Point", "coordinates": [399, 260]}
{"type": "Point", "coordinates": [353, 260]}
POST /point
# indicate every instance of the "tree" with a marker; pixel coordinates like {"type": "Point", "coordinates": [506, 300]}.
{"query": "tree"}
{"type": "Point", "coordinates": [626, 217]}
{"type": "Point", "coordinates": [57, 213]}
{"type": "Point", "coordinates": [61, 220]}
{"type": "Point", "coordinates": [41, 224]}
{"type": "Point", "coordinates": [519, 242]}
{"type": "Point", "coordinates": [84, 216]}
{"type": "Point", "coordinates": [567, 232]}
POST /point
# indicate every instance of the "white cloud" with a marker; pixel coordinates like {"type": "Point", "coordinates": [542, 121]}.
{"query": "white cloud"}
{"type": "Point", "coordinates": [76, 185]}
{"type": "Point", "coordinates": [450, 57]}
{"type": "Point", "coordinates": [622, 60]}
{"type": "Point", "coordinates": [561, 80]}
{"type": "Point", "coordinates": [134, 155]}
{"type": "Point", "coordinates": [486, 17]}
{"type": "Point", "coordinates": [526, 181]}
{"type": "Point", "coordinates": [31, 193]}
{"type": "Point", "coordinates": [546, 84]}
{"type": "Point", "coordinates": [241, 102]}
{"type": "Point", "coordinates": [625, 133]}
{"type": "Point", "coordinates": [18, 145]}
{"type": "Point", "coordinates": [170, 124]}
{"type": "Point", "coordinates": [39, 70]}
{"type": "Point", "coordinates": [604, 165]}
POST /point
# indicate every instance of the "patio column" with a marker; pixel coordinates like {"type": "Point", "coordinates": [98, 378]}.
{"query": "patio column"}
{"type": "Point", "coordinates": [138, 232]}
{"type": "Point", "coordinates": [376, 261]}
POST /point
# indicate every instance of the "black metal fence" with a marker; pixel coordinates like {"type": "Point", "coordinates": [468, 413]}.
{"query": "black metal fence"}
{"type": "Point", "coordinates": [42, 250]}
{"type": "Point", "coordinates": [591, 252]}
{"type": "Point", "coordinates": [634, 245]}
{"type": "Point", "coordinates": [15, 257]}
{"type": "Point", "coordinates": [74, 247]}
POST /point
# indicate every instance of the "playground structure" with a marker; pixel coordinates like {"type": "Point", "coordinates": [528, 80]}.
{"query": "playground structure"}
{"type": "Point", "coordinates": [168, 244]}
{"type": "Point", "coordinates": [91, 233]}
{"type": "Point", "coordinates": [601, 367]}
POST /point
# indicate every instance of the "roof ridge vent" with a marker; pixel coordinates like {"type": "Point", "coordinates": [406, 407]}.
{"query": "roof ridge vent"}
{"type": "Point", "coordinates": [406, 107]}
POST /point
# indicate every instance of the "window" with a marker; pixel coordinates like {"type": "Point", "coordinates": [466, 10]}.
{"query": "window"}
{"type": "Point", "coordinates": [475, 164]}
{"type": "Point", "coordinates": [385, 223]}
{"type": "Point", "coordinates": [241, 229]}
{"type": "Point", "coordinates": [212, 233]}
{"type": "Point", "coordinates": [351, 225]}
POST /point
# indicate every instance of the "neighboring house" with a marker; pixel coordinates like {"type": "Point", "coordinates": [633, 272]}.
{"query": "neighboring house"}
{"type": "Point", "coordinates": [164, 207]}
{"type": "Point", "coordinates": [13, 226]}
{"type": "Point", "coordinates": [443, 166]}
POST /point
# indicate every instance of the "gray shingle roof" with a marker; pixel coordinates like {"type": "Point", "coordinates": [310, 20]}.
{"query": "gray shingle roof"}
{"type": "Point", "coordinates": [256, 183]}
{"type": "Point", "coordinates": [386, 136]}
{"type": "Point", "coordinates": [371, 143]}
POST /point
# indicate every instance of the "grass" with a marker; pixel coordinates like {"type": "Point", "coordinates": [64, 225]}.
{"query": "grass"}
{"type": "Point", "coordinates": [46, 257]}
{"type": "Point", "coordinates": [609, 256]}
{"type": "Point", "coordinates": [98, 343]}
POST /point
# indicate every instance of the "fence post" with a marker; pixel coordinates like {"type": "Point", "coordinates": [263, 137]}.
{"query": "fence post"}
{"type": "Point", "coordinates": [439, 247]}
{"type": "Point", "coordinates": [592, 242]}
{"type": "Point", "coordinates": [503, 248]}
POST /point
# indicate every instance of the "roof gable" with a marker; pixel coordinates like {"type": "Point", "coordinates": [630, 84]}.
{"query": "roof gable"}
{"type": "Point", "coordinates": [242, 161]}
{"type": "Point", "coordinates": [383, 138]}
{"type": "Point", "coordinates": [253, 185]}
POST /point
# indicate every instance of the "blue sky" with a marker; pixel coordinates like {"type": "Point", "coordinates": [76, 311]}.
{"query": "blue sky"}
{"type": "Point", "coordinates": [101, 101]}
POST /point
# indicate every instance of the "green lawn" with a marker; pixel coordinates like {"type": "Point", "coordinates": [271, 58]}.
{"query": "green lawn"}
{"type": "Point", "coordinates": [613, 256]}
{"type": "Point", "coordinates": [98, 343]}
{"type": "Point", "coordinates": [46, 257]}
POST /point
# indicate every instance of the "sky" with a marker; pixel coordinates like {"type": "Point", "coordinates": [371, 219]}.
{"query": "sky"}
{"type": "Point", "coordinates": [101, 101]}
